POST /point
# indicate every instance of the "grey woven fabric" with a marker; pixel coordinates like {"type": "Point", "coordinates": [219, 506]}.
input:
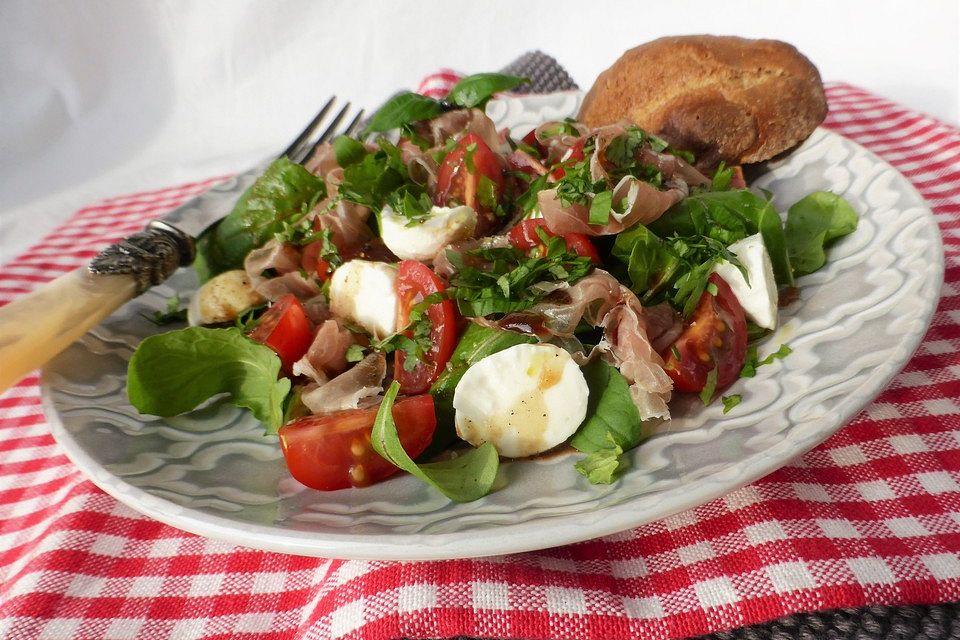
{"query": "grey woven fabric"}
{"type": "Point", "coordinates": [544, 72]}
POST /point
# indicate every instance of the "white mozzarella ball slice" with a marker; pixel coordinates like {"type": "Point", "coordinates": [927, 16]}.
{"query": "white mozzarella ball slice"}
{"type": "Point", "coordinates": [422, 240]}
{"type": "Point", "coordinates": [223, 298]}
{"type": "Point", "coordinates": [759, 297]}
{"type": "Point", "coordinates": [365, 292]}
{"type": "Point", "coordinates": [524, 400]}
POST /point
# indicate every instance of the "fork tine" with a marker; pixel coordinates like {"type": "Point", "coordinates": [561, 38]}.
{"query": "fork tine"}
{"type": "Point", "coordinates": [307, 133]}
{"type": "Point", "coordinates": [332, 131]}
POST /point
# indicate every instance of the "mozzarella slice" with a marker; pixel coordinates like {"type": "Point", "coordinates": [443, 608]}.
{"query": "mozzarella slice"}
{"type": "Point", "coordinates": [365, 292]}
{"type": "Point", "coordinates": [223, 298]}
{"type": "Point", "coordinates": [422, 240]}
{"type": "Point", "coordinates": [759, 298]}
{"type": "Point", "coordinates": [523, 400]}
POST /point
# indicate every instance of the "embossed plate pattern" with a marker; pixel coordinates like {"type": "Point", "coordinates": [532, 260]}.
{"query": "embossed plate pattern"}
{"type": "Point", "coordinates": [213, 472]}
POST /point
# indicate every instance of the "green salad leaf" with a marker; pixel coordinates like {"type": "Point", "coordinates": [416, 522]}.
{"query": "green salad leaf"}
{"type": "Point", "coordinates": [476, 90]}
{"type": "Point", "coordinates": [171, 373]}
{"type": "Point", "coordinates": [611, 427]}
{"type": "Point", "coordinates": [475, 344]}
{"type": "Point", "coordinates": [403, 109]}
{"type": "Point", "coordinates": [651, 263]}
{"type": "Point", "coordinates": [465, 478]}
{"type": "Point", "coordinates": [812, 223]}
{"type": "Point", "coordinates": [728, 216]}
{"type": "Point", "coordinates": [285, 190]}
{"type": "Point", "coordinates": [348, 151]}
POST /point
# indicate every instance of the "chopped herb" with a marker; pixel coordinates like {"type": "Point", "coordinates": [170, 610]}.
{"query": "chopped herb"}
{"type": "Point", "coordinates": [577, 186]}
{"type": "Point", "coordinates": [505, 284]}
{"type": "Point", "coordinates": [173, 313]}
{"type": "Point", "coordinates": [675, 352]}
{"type": "Point", "coordinates": [752, 361]}
{"type": "Point", "coordinates": [712, 288]}
{"type": "Point", "coordinates": [709, 388]}
{"type": "Point", "coordinates": [414, 340]}
{"type": "Point", "coordinates": [249, 319]}
{"type": "Point", "coordinates": [729, 402]}
{"type": "Point", "coordinates": [600, 208]}
{"type": "Point", "coordinates": [528, 201]}
{"type": "Point", "coordinates": [722, 177]}
{"type": "Point", "coordinates": [355, 353]}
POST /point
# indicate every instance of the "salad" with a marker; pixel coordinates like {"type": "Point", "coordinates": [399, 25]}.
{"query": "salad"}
{"type": "Point", "coordinates": [436, 295]}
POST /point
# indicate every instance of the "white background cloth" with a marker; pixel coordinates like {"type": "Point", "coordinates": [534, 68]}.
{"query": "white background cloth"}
{"type": "Point", "coordinates": [103, 98]}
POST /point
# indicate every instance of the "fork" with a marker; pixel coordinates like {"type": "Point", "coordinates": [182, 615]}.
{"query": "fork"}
{"type": "Point", "coordinates": [36, 327]}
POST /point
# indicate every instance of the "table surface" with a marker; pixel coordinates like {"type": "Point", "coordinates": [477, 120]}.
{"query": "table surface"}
{"type": "Point", "coordinates": [185, 91]}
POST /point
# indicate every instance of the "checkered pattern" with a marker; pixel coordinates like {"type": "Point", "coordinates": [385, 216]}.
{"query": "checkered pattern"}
{"type": "Point", "coordinates": [870, 516]}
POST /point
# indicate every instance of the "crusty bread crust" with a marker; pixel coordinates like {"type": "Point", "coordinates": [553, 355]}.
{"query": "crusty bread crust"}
{"type": "Point", "coordinates": [723, 97]}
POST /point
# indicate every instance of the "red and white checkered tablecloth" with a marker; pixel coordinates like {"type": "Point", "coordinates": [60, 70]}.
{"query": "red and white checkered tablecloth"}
{"type": "Point", "coordinates": [872, 516]}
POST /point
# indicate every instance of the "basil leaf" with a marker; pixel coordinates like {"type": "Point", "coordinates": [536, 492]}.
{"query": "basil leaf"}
{"type": "Point", "coordinates": [476, 343]}
{"type": "Point", "coordinates": [611, 413]}
{"type": "Point", "coordinates": [709, 387]}
{"type": "Point", "coordinates": [752, 361]}
{"type": "Point", "coordinates": [465, 478]}
{"type": "Point", "coordinates": [728, 216]}
{"type": "Point", "coordinates": [600, 208]}
{"type": "Point", "coordinates": [651, 263]}
{"type": "Point", "coordinates": [348, 150]}
{"type": "Point", "coordinates": [403, 109]}
{"type": "Point", "coordinates": [171, 373]}
{"type": "Point", "coordinates": [283, 191]}
{"type": "Point", "coordinates": [476, 90]}
{"type": "Point", "coordinates": [814, 222]}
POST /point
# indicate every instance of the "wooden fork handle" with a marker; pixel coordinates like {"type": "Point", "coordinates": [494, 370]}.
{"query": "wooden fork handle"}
{"type": "Point", "coordinates": [36, 327]}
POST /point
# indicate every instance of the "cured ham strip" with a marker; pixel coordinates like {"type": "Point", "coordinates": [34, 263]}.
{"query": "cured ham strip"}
{"type": "Point", "coordinates": [350, 390]}
{"type": "Point", "coordinates": [327, 355]}
{"type": "Point", "coordinates": [323, 161]}
{"type": "Point", "coordinates": [645, 203]}
{"type": "Point", "coordinates": [444, 268]}
{"type": "Point", "coordinates": [274, 255]}
{"type": "Point", "coordinates": [347, 222]}
{"type": "Point", "coordinates": [293, 282]}
{"type": "Point", "coordinates": [462, 122]}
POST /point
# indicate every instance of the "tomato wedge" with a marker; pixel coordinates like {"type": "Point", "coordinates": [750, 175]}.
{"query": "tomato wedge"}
{"type": "Point", "coordinates": [573, 156]}
{"type": "Point", "coordinates": [416, 281]}
{"type": "Point", "coordinates": [716, 338]}
{"type": "Point", "coordinates": [524, 236]}
{"type": "Point", "coordinates": [332, 451]}
{"type": "Point", "coordinates": [462, 179]}
{"type": "Point", "coordinates": [313, 264]}
{"type": "Point", "coordinates": [286, 329]}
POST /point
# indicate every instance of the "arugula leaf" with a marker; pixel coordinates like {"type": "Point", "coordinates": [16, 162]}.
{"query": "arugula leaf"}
{"type": "Point", "coordinates": [284, 191]}
{"type": "Point", "coordinates": [348, 150]}
{"type": "Point", "coordinates": [812, 223]}
{"type": "Point", "coordinates": [476, 90]}
{"type": "Point", "coordinates": [729, 402]}
{"type": "Point", "coordinates": [171, 373]}
{"type": "Point", "coordinates": [604, 465]}
{"type": "Point", "coordinates": [611, 413]}
{"type": "Point", "coordinates": [728, 216]}
{"type": "Point", "coordinates": [476, 343]}
{"type": "Point", "coordinates": [380, 178]}
{"type": "Point", "coordinates": [403, 109]}
{"type": "Point", "coordinates": [465, 478]}
{"type": "Point", "coordinates": [651, 262]}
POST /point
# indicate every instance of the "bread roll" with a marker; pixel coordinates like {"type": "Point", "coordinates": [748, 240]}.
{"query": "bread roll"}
{"type": "Point", "coordinates": [722, 97]}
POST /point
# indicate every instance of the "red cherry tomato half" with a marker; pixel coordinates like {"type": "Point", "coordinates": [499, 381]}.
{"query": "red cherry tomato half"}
{"type": "Point", "coordinates": [574, 156]}
{"type": "Point", "coordinates": [313, 264]}
{"type": "Point", "coordinates": [715, 338]}
{"type": "Point", "coordinates": [416, 281]}
{"type": "Point", "coordinates": [333, 451]}
{"type": "Point", "coordinates": [286, 329]}
{"type": "Point", "coordinates": [524, 236]}
{"type": "Point", "coordinates": [458, 181]}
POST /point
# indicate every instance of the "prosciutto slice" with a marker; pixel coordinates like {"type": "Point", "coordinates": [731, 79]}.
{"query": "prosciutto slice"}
{"type": "Point", "coordinates": [274, 255]}
{"type": "Point", "coordinates": [462, 122]}
{"type": "Point", "coordinates": [327, 355]}
{"type": "Point", "coordinates": [275, 288]}
{"type": "Point", "coordinates": [357, 387]}
{"type": "Point", "coordinates": [323, 161]}
{"type": "Point", "coordinates": [347, 222]}
{"type": "Point", "coordinates": [645, 203]}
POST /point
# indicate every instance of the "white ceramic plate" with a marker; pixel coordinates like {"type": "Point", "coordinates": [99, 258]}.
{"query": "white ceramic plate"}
{"type": "Point", "coordinates": [213, 473]}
